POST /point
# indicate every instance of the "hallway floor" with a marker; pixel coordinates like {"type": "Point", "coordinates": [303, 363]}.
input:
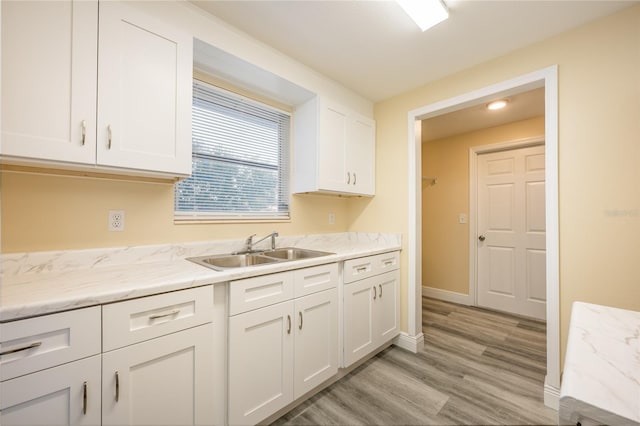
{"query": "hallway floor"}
{"type": "Point", "coordinates": [477, 367]}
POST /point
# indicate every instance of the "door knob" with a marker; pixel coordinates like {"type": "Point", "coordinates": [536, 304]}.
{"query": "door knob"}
{"type": "Point", "coordinates": [482, 238]}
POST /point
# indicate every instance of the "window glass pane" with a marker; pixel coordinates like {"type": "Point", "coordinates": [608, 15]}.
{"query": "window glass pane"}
{"type": "Point", "coordinates": [240, 159]}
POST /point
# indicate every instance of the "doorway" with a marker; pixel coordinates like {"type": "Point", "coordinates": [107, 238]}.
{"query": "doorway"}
{"type": "Point", "coordinates": [546, 78]}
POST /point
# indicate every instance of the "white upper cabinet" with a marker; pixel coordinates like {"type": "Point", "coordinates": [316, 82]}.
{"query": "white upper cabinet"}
{"type": "Point", "coordinates": [49, 72]}
{"type": "Point", "coordinates": [144, 92]}
{"type": "Point", "coordinates": [334, 150]}
{"type": "Point", "coordinates": [133, 118]}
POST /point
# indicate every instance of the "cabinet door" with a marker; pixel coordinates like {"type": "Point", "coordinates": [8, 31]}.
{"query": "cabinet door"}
{"type": "Point", "coordinates": [361, 155]}
{"type": "Point", "coordinates": [163, 381]}
{"type": "Point", "coordinates": [49, 72]}
{"type": "Point", "coordinates": [387, 306]}
{"type": "Point", "coordinates": [260, 363]}
{"type": "Point", "coordinates": [332, 167]}
{"type": "Point", "coordinates": [65, 395]}
{"type": "Point", "coordinates": [359, 338]}
{"type": "Point", "coordinates": [316, 340]}
{"type": "Point", "coordinates": [144, 92]}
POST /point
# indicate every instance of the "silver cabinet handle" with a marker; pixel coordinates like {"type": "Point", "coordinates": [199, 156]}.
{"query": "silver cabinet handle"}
{"type": "Point", "coordinates": [300, 326]}
{"type": "Point", "coordinates": [380, 285]}
{"type": "Point", "coordinates": [363, 269]}
{"type": "Point", "coordinates": [388, 263]}
{"type": "Point", "coordinates": [117, 386]}
{"type": "Point", "coordinates": [375, 293]}
{"type": "Point", "coordinates": [289, 322]}
{"type": "Point", "coordinates": [482, 238]}
{"type": "Point", "coordinates": [348, 178]}
{"type": "Point", "coordinates": [84, 131]}
{"type": "Point", "coordinates": [109, 136]}
{"type": "Point", "coordinates": [354, 178]}
{"type": "Point", "coordinates": [84, 398]}
{"type": "Point", "coordinates": [24, 348]}
{"type": "Point", "coordinates": [170, 314]}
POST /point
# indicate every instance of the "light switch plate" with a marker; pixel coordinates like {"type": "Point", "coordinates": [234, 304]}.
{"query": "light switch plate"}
{"type": "Point", "coordinates": [462, 218]}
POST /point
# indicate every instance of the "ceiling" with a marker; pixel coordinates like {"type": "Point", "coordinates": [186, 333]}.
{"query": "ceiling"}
{"type": "Point", "coordinates": [373, 48]}
{"type": "Point", "coordinates": [521, 106]}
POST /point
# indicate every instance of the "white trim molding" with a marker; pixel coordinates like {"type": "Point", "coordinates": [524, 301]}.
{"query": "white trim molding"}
{"type": "Point", "coordinates": [551, 396]}
{"type": "Point", "coordinates": [448, 296]}
{"type": "Point", "coordinates": [410, 343]}
{"type": "Point", "coordinates": [547, 78]}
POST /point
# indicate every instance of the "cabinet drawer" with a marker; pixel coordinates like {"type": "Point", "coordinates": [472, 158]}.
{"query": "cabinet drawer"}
{"type": "Point", "coordinates": [364, 267]}
{"type": "Point", "coordinates": [315, 279]}
{"type": "Point", "coordinates": [47, 341]}
{"type": "Point", "coordinates": [132, 321]}
{"type": "Point", "coordinates": [252, 293]}
{"type": "Point", "coordinates": [386, 262]}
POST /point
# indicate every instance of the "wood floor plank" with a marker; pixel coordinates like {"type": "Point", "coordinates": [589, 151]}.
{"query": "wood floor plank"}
{"type": "Point", "coordinates": [477, 367]}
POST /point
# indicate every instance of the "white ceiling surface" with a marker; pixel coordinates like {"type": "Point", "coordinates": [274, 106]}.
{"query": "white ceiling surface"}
{"type": "Point", "coordinates": [521, 106]}
{"type": "Point", "coordinates": [373, 48]}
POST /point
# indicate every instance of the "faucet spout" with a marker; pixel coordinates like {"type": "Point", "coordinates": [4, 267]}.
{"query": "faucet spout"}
{"type": "Point", "coordinates": [249, 243]}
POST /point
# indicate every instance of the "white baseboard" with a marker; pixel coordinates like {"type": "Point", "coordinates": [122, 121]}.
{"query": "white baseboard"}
{"type": "Point", "coordinates": [409, 343]}
{"type": "Point", "coordinates": [447, 296]}
{"type": "Point", "coordinates": [551, 396]}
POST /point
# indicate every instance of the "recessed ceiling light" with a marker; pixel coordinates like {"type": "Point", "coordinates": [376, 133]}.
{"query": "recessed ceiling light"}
{"type": "Point", "coordinates": [497, 104]}
{"type": "Point", "coordinates": [425, 13]}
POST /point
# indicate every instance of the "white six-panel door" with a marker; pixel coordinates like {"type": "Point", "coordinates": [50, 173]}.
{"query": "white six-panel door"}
{"type": "Point", "coordinates": [511, 231]}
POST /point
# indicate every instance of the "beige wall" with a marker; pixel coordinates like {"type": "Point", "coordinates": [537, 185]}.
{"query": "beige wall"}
{"type": "Point", "coordinates": [47, 212]}
{"type": "Point", "coordinates": [599, 155]}
{"type": "Point", "coordinates": [445, 242]}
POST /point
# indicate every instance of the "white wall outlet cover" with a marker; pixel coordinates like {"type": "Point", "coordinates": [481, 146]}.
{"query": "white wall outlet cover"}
{"type": "Point", "coordinates": [116, 220]}
{"type": "Point", "coordinates": [332, 218]}
{"type": "Point", "coordinates": [462, 218]}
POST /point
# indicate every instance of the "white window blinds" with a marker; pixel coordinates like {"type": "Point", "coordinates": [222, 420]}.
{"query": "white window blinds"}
{"type": "Point", "coordinates": [240, 159]}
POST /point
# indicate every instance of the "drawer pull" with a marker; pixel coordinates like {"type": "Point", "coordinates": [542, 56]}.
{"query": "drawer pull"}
{"type": "Point", "coordinates": [117, 386]}
{"type": "Point", "coordinates": [169, 314]}
{"type": "Point", "coordinates": [375, 293]}
{"type": "Point", "coordinates": [380, 285]}
{"type": "Point", "coordinates": [388, 263]}
{"type": "Point", "coordinates": [24, 348]}
{"type": "Point", "coordinates": [362, 269]}
{"type": "Point", "coordinates": [300, 326]}
{"type": "Point", "coordinates": [84, 398]}
{"type": "Point", "coordinates": [83, 126]}
{"type": "Point", "coordinates": [289, 321]}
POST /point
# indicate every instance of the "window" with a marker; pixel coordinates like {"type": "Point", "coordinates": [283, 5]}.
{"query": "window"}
{"type": "Point", "coordinates": [240, 159]}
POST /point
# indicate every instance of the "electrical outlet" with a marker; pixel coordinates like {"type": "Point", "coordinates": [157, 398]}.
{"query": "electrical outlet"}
{"type": "Point", "coordinates": [462, 218]}
{"type": "Point", "coordinates": [116, 220]}
{"type": "Point", "coordinates": [332, 218]}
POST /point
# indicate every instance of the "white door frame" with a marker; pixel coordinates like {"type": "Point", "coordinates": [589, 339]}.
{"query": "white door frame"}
{"type": "Point", "coordinates": [547, 78]}
{"type": "Point", "coordinates": [474, 151]}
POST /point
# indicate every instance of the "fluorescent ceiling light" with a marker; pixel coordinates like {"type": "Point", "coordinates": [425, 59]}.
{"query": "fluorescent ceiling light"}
{"type": "Point", "coordinates": [425, 13]}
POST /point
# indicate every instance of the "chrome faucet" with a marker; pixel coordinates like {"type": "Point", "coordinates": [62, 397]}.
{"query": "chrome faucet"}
{"type": "Point", "coordinates": [249, 243]}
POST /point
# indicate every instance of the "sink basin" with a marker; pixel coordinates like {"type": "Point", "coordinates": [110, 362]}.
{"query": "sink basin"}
{"type": "Point", "coordinates": [229, 261]}
{"type": "Point", "coordinates": [292, 253]}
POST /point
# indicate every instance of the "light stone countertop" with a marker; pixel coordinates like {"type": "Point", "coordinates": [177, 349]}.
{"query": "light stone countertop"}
{"type": "Point", "coordinates": [46, 282]}
{"type": "Point", "coordinates": [601, 378]}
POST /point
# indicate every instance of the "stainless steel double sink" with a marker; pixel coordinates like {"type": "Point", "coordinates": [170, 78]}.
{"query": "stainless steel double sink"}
{"type": "Point", "coordinates": [229, 261]}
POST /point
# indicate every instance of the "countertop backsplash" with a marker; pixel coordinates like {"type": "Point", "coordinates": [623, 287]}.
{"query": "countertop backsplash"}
{"type": "Point", "coordinates": [67, 260]}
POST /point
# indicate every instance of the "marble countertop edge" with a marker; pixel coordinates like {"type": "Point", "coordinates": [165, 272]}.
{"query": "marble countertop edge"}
{"type": "Point", "coordinates": [28, 295]}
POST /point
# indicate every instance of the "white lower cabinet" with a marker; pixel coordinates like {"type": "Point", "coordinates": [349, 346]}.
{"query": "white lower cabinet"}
{"type": "Point", "coordinates": [68, 394]}
{"type": "Point", "coordinates": [371, 312]}
{"type": "Point", "coordinates": [157, 367]}
{"type": "Point", "coordinates": [280, 352]}
{"type": "Point", "coordinates": [163, 381]}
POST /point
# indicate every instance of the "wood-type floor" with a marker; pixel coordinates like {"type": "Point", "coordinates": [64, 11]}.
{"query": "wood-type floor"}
{"type": "Point", "coordinates": [478, 367]}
